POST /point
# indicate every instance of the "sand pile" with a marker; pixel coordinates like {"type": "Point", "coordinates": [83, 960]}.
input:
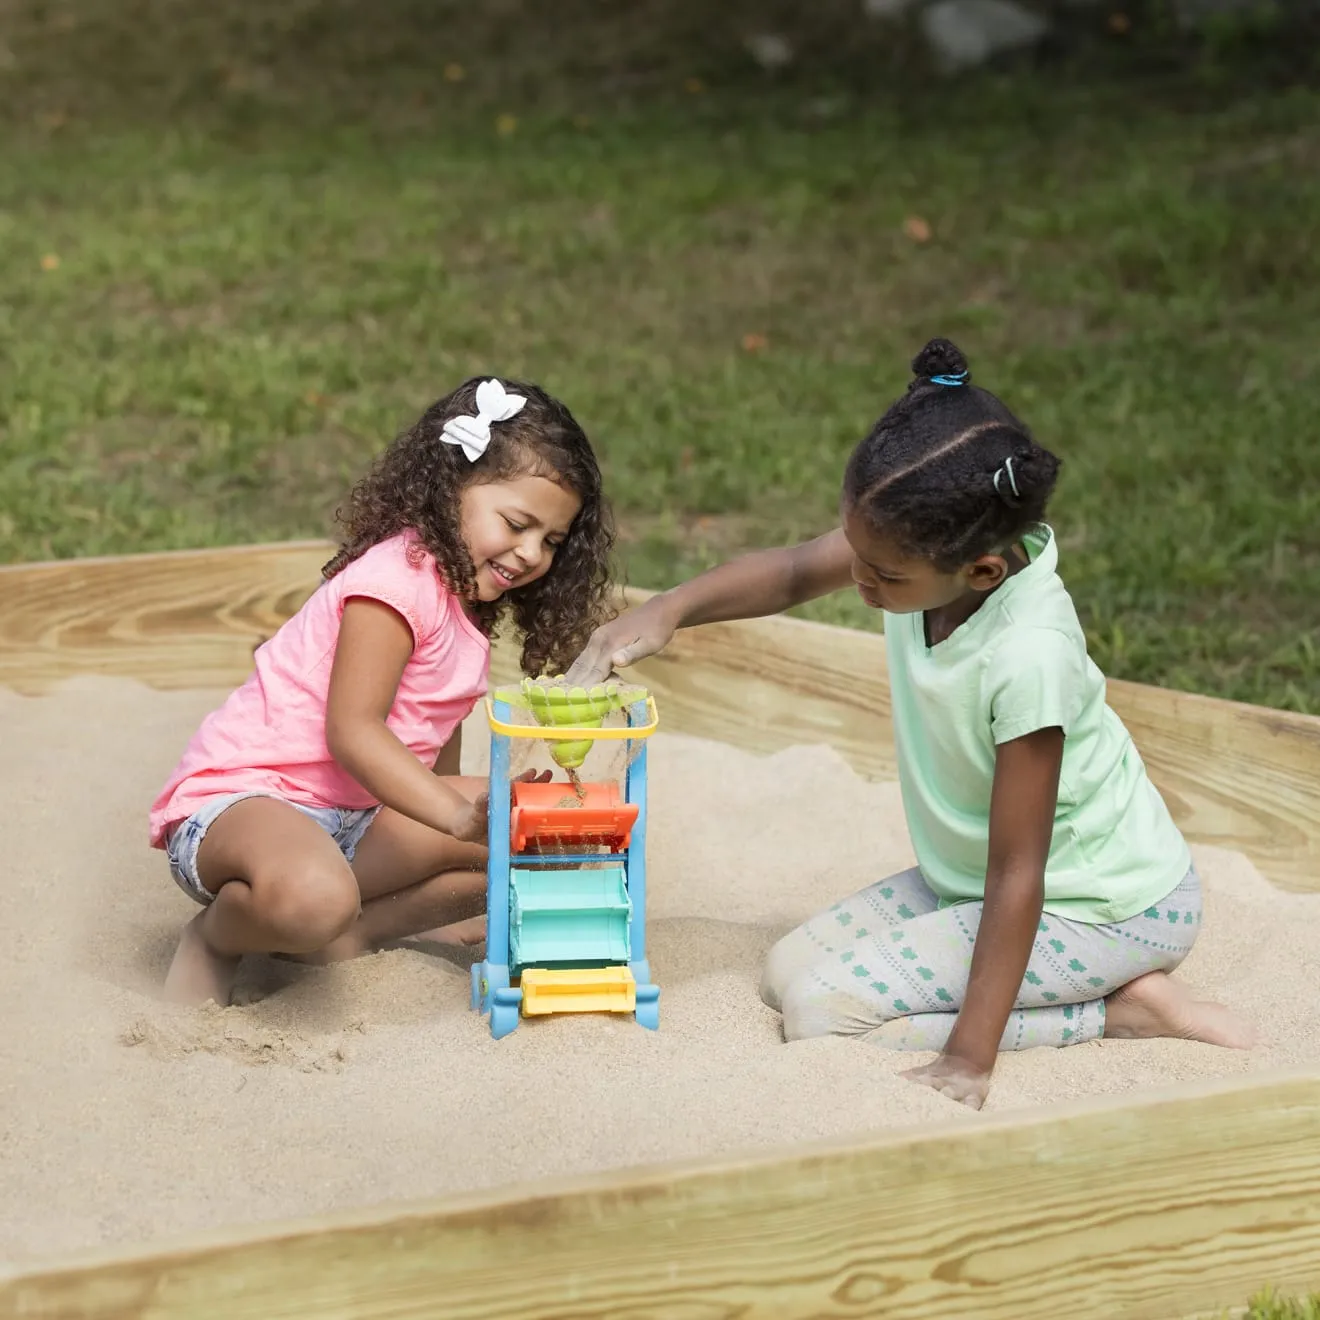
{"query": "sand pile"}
{"type": "Point", "coordinates": [121, 1119]}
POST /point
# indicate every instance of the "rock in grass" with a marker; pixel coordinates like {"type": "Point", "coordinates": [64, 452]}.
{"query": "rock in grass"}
{"type": "Point", "coordinates": [965, 33]}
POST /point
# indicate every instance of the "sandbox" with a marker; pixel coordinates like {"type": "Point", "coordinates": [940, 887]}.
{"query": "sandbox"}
{"type": "Point", "coordinates": [585, 1167]}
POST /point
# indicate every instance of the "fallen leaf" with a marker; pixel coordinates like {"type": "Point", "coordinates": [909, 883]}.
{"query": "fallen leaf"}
{"type": "Point", "coordinates": [314, 399]}
{"type": "Point", "coordinates": [754, 343]}
{"type": "Point", "coordinates": [455, 73]}
{"type": "Point", "coordinates": [1120, 23]}
{"type": "Point", "coordinates": [581, 121]}
{"type": "Point", "coordinates": [695, 86]}
{"type": "Point", "coordinates": [506, 124]}
{"type": "Point", "coordinates": [50, 262]}
{"type": "Point", "coordinates": [917, 229]}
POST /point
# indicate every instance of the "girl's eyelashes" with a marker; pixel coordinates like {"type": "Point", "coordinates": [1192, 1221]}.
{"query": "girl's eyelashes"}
{"type": "Point", "coordinates": [552, 543]}
{"type": "Point", "coordinates": [883, 577]}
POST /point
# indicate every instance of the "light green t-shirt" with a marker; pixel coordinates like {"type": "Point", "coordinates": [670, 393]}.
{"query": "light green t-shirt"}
{"type": "Point", "coordinates": [1017, 665]}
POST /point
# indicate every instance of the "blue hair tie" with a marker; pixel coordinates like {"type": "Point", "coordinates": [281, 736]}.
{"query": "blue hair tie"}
{"type": "Point", "coordinates": [959, 379]}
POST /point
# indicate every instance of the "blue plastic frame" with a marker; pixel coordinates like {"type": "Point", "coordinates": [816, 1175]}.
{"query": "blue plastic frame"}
{"type": "Point", "coordinates": [491, 990]}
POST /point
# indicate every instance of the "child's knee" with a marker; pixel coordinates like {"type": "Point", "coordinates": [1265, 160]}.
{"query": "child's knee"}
{"type": "Point", "coordinates": [800, 1006]}
{"type": "Point", "coordinates": [783, 964]}
{"type": "Point", "coordinates": [312, 907]}
{"type": "Point", "coordinates": [812, 1008]}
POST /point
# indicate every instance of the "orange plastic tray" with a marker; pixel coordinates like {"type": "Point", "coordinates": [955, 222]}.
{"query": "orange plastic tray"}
{"type": "Point", "coordinates": [553, 815]}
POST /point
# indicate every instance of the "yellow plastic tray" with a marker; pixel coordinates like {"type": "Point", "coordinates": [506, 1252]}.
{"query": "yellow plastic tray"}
{"type": "Point", "coordinates": [579, 990]}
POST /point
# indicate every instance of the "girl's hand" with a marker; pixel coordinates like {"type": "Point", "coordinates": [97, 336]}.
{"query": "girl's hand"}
{"type": "Point", "coordinates": [624, 641]}
{"type": "Point", "coordinates": [957, 1078]}
{"type": "Point", "coordinates": [472, 825]}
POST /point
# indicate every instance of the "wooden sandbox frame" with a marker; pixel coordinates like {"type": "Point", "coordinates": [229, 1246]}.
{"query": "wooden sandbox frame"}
{"type": "Point", "coordinates": [1168, 1205]}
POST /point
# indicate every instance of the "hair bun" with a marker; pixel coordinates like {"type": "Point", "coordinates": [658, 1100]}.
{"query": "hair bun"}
{"type": "Point", "coordinates": [940, 357]}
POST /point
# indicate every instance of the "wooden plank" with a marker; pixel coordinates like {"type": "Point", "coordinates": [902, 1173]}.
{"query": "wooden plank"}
{"type": "Point", "coordinates": [1236, 776]}
{"type": "Point", "coordinates": [767, 684]}
{"type": "Point", "coordinates": [188, 619]}
{"type": "Point", "coordinates": [1172, 1205]}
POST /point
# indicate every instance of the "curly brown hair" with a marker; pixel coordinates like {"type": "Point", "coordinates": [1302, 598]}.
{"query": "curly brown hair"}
{"type": "Point", "coordinates": [418, 482]}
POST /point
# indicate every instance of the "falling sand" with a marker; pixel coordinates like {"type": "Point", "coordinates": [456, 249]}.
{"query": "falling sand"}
{"type": "Point", "coordinates": [326, 1088]}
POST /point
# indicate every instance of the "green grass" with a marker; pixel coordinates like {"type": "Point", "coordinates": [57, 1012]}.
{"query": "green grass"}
{"type": "Point", "coordinates": [280, 236]}
{"type": "Point", "coordinates": [1270, 1306]}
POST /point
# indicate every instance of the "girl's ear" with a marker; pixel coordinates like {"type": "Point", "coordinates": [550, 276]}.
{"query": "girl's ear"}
{"type": "Point", "coordinates": [987, 572]}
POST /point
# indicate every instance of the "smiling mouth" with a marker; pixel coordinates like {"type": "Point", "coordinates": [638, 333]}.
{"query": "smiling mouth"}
{"type": "Point", "coordinates": [502, 575]}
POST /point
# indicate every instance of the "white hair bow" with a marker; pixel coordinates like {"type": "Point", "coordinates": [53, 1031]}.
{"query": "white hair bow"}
{"type": "Point", "coordinates": [494, 404]}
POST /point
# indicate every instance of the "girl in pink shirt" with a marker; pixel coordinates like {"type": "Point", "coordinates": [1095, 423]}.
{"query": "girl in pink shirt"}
{"type": "Point", "coordinates": [319, 811]}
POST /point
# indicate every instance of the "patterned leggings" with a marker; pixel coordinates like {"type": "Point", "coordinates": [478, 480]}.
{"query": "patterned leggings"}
{"type": "Point", "coordinates": [889, 963]}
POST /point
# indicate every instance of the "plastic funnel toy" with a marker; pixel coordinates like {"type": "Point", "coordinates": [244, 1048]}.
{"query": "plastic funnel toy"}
{"type": "Point", "coordinates": [557, 706]}
{"type": "Point", "coordinates": [560, 712]}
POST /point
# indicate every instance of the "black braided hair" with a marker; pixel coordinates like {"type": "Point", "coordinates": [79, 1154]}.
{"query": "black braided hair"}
{"type": "Point", "coordinates": [948, 473]}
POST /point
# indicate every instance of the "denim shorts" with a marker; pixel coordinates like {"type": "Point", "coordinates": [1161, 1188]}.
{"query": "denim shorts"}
{"type": "Point", "coordinates": [344, 825]}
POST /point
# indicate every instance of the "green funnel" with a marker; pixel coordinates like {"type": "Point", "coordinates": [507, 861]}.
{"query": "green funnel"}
{"type": "Point", "coordinates": [557, 706]}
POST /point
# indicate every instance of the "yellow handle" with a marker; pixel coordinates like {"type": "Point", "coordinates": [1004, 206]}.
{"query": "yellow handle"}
{"type": "Point", "coordinates": [563, 733]}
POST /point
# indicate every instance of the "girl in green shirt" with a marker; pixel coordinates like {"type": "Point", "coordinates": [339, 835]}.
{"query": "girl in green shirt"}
{"type": "Point", "coordinates": [1053, 893]}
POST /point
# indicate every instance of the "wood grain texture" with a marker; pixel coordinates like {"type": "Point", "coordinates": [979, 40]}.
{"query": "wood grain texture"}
{"type": "Point", "coordinates": [1163, 1208]}
{"type": "Point", "coordinates": [189, 619]}
{"type": "Point", "coordinates": [1236, 776]}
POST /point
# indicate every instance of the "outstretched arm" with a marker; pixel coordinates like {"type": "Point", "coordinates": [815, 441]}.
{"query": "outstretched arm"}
{"type": "Point", "coordinates": [1023, 801]}
{"type": "Point", "coordinates": [763, 582]}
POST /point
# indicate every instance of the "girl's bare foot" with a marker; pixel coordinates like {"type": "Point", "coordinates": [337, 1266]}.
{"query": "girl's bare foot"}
{"type": "Point", "coordinates": [1157, 1005]}
{"type": "Point", "coordinates": [197, 973]}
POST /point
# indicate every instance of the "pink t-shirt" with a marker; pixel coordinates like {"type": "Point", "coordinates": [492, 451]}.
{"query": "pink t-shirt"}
{"type": "Point", "coordinates": [269, 736]}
